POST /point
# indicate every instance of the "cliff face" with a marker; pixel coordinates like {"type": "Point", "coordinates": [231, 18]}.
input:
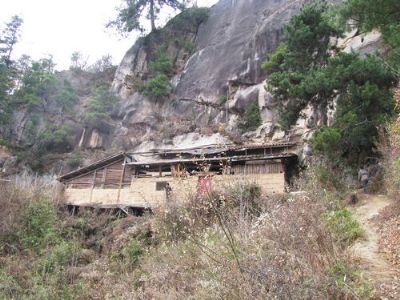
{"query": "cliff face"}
{"type": "Point", "coordinates": [216, 75]}
{"type": "Point", "coordinates": [215, 83]}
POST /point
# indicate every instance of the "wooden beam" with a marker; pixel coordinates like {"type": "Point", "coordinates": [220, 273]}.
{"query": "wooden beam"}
{"type": "Point", "coordinates": [120, 182]}
{"type": "Point", "coordinates": [103, 180]}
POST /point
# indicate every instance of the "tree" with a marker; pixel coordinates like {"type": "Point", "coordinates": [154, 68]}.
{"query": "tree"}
{"type": "Point", "coordinates": [298, 77]}
{"type": "Point", "coordinates": [251, 119]}
{"type": "Point", "coordinates": [8, 74]}
{"type": "Point", "coordinates": [66, 96]}
{"type": "Point", "coordinates": [78, 62]}
{"type": "Point", "coordinates": [9, 37]}
{"type": "Point", "coordinates": [99, 107]}
{"type": "Point", "coordinates": [306, 70]}
{"type": "Point", "coordinates": [383, 15]}
{"type": "Point", "coordinates": [37, 84]}
{"type": "Point", "coordinates": [128, 18]}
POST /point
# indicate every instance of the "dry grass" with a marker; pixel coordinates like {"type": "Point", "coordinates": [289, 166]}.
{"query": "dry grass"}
{"type": "Point", "coordinates": [18, 193]}
{"type": "Point", "coordinates": [231, 244]}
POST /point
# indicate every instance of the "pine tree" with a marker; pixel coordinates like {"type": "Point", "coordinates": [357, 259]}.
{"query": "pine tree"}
{"type": "Point", "coordinates": [128, 18]}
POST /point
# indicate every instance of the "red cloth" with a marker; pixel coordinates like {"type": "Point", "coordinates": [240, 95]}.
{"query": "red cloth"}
{"type": "Point", "coordinates": [204, 185]}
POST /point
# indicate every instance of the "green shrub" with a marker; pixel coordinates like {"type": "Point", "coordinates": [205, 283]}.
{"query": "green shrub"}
{"type": "Point", "coordinates": [162, 64]}
{"type": "Point", "coordinates": [184, 43]}
{"type": "Point", "coordinates": [343, 226]}
{"type": "Point", "coordinates": [346, 276]}
{"type": "Point", "coordinates": [327, 141]}
{"type": "Point", "coordinates": [251, 119]}
{"type": "Point", "coordinates": [39, 225]}
{"type": "Point", "coordinates": [327, 178]}
{"type": "Point", "coordinates": [9, 287]}
{"type": "Point", "coordinates": [132, 252]}
{"type": "Point", "coordinates": [54, 139]}
{"type": "Point", "coordinates": [99, 107]}
{"type": "Point", "coordinates": [158, 87]}
{"type": "Point", "coordinates": [190, 19]}
{"type": "Point", "coordinates": [74, 161]}
{"type": "Point", "coordinates": [62, 255]}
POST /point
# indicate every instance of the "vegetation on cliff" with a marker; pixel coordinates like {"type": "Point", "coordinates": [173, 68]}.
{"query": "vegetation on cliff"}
{"type": "Point", "coordinates": [308, 70]}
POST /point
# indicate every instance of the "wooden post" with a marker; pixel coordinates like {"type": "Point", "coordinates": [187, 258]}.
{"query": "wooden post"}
{"type": "Point", "coordinates": [93, 184]}
{"type": "Point", "coordinates": [103, 180]}
{"type": "Point", "coordinates": [120, 182]}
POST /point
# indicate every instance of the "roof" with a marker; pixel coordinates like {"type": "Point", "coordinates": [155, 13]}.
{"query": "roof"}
{"type": "Point", "coordinates": [98, 164]}
{"type": "Point", "coordinates": [208, 149]}
{"type": "Point", "coordinates": [215, 148]}
{"type": "Point", "coordinates": [213, 159]}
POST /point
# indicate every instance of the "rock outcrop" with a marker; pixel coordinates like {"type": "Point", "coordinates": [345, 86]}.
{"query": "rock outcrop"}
{"type": "Point", "coordinates": [218, 80]}
{"type": "Point", "coordinates": [216, 75]}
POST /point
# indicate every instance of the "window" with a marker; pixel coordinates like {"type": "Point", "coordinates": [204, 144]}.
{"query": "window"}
{"type": "Point", "coordinates": [161, 185]}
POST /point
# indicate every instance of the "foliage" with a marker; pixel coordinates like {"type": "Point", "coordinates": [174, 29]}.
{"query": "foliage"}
{"type": "Point", "coordinates": [327, 141]}
{"type": "Point", "coordinates": [66, 96]}
{"type": "Point", "coordinates": [343, 226]}
{"type": "Point", "coordinates": [128, 17]}
{"type": "Point", "coordinates": [55, 139]}
{"type": "Point", "coordinates": [8, 39]}
{"type": "Point", "coordinates": [99, 107]}
{"type": "Point", "coordinates": [365, 101]}
{"type": "Point", "coordinates": [78, 62]}
{"type": "Point", "coordinates": [74, 161]}
{"type": "Point", "coordinates": [189, 19]}
{"type": "Point", "coordinates": [298, 65]}
{"type": "Point", "coordinates": [8, 286]}
{"type": "Point", "coordinates": [38, 84]}
{"type": "Point", "coordinates": [381, 15]}
{"type": "Point", "coordinates": [305, 74]}
{"type": "Point", "coordinates": [103, 64]}
{"type": "Point", "coordinates": [251, 119]}
{"type": "Point", "coordinates": [62, 255]}
{"type": "Point", "coordinates": [158, 87]}
{"type": "Point", "coordinates": [39, 225]}
{"type": "Point", "coordinates": [162, 64]}
{"type": "Point", "coordinates": [132, 252]}
{"type": "Point", "coordinates": [8, 74]}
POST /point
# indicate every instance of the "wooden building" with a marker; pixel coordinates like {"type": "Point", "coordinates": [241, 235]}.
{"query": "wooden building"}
{"type": "Point", "coordinates": [150, 179]}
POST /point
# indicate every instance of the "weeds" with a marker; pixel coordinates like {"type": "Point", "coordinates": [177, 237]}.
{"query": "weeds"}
{"type": "Point", "coordinates": [343, 226]}
{"type": "Point", "coordinates": [234, 243]}
{"type": "Point", "coordinates": [132, 252]}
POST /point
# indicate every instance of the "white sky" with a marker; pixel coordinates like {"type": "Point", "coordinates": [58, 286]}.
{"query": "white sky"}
{"type": "Point", "coordinates": [60, 27]}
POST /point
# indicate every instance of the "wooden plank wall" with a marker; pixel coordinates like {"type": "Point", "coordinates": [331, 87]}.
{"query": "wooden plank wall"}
{"type": "Point", "coordinates": [250, 169]}
{"type": "Point", "coordinates": [143, 191]}
{"type": "Point", "coordinates": [108, 177]}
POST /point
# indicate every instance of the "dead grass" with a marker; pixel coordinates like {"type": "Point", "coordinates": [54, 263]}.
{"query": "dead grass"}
{"type": "Point", "coordinates": [231, 244]}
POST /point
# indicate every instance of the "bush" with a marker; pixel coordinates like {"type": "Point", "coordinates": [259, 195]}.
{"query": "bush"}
{"type": "Point", "coordinates": [55, 139]}
{"type": "Point", "coordinates": [99, 107]}
{"type": "Point", "coordinates": [251, 119]}
{"type": "Point", "coordinates": [74, 161]}
{"type": "Point", "coordinates": [162, 65]}
{"type": "Point", "coordinates": [132, 252]}
{"type": "Point", "coordinates": [343, 226]}
{"type": "Point", "coordinates": [39, 225]}
{"type": "Point", "coordinates": [158, 87]}
{"type": "Point", "coordinates": [62, 255]}
{"type": "Point", "coordinates": [327, 141]}
{"type": "Point", "coordinates": [9, 287]}
{"type": "Point", "coordinates": [189, 19]}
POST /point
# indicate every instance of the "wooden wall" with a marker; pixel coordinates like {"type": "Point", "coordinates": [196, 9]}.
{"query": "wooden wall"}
{"type": "Point", "coordinates": [142, 192]}
{"type": "Point", "coordinates": [109, 177]}
{"type": "Point", "coordinates": [258, 168]}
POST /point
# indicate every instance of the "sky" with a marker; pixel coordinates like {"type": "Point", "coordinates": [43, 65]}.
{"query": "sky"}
{"type": "Point", "coordinates": [61, 27]}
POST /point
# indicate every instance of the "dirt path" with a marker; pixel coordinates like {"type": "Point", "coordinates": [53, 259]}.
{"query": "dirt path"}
{"type": "Point", "coordinates": [377, 270]}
